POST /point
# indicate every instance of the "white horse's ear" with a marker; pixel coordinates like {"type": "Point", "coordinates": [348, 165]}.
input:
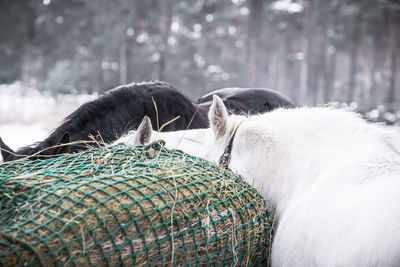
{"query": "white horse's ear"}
{"type": "Point", "coordinates": [218, 116]}
{"type": "Point", "coordinates": [143, 134]}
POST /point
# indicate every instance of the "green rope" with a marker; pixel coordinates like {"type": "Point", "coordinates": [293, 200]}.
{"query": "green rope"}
{"type": "Point", "coordinates": [25, 244]}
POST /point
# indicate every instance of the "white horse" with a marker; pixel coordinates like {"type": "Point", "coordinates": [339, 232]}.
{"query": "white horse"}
{"type": "Point", "coordinates": [333, 178]}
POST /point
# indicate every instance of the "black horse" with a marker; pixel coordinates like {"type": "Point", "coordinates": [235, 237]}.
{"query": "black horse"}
{"type": "Point", "coordinates": [241, 100]}
{"type": "Point", "coordinates": [114, 113]}
{"type": "Point", "coordinates": [121, 109]}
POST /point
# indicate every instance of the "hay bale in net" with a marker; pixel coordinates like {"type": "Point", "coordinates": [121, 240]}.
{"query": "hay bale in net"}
{"type": "Point", "coordinates": [126, 205]}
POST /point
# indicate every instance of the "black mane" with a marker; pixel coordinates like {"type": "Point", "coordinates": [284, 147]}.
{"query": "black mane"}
{"type": "Point", "coordinates": [239, 100]}
{"type": "Point", "coordinates": [119, 110]}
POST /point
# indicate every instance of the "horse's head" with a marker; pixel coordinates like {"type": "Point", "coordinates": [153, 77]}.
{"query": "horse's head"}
{"type": "Point", "coordinates": [195, 142]}
{"type": "Point", "coordinates": [251, 145]}
{"type": "Point", "coordinates": [222, 129]}
{"type": "Point", "coordinates": [207, 143]}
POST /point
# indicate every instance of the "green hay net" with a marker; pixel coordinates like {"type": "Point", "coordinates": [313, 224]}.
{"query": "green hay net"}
{"type": "Point", "coordinates": [126, 205]}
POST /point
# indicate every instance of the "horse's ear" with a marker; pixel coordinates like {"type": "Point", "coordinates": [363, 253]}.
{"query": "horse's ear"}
{"type": "Point", "coordinates": [6, 151]}
{"type": "Point", "coordinates": [143, 134]}
{"type": "Point", "coordinates": [218, 116]}
{"type": "Point", "coordinates": [63, 149]}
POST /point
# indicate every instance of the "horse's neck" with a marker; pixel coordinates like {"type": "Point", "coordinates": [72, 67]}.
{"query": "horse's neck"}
{"type": "Point", "coordinates": [195, 142]}
{"type": "Point", "coordinates": [309, 145]}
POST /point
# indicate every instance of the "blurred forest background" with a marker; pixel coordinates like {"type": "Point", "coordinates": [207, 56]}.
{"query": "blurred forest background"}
{"type": "Point", "coordinates": [314, 51]}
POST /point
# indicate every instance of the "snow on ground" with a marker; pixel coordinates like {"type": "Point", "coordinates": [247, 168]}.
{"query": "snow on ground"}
{"type": "Point", "coordinates": [28, 116]}
{"type": "Point", "coordinates": [16, 135]}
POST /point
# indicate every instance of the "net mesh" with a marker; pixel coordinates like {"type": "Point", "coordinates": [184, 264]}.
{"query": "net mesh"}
{"type": "Point", "coordinates": [127, 205]}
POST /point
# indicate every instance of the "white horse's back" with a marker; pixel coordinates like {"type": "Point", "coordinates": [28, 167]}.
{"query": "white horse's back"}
{"type": "Point", "coordinates": [352, 225]}
{"type": "Point", "coordinates": [335, 180]}
{"type": "Point", "coordinates": [344, 206]}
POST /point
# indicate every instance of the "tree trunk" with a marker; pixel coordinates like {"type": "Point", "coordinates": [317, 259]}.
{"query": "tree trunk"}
{"type": "Point", "coordinates": [29, 36]}
{"type": "Point", "coordinates": [376, 59]}
{"type": "Point", "coordinates": [123, 75]}
{"type": "Point", "coordinates": [390, 57]}
{"type": "Point", "coordinates": [130, 44]}
{"type": "Point", "coordinates": [321, 55]}
{"type": "Point", "coordinates": [166, 21]}
{"type": "Point", "coordinates": [306, 50]}
{"type": "Point", "coordinates": [253, 40]}
{"type": "Point", "coordinates": [289, 66]}
{"type": "Point", "coordinates": [356, 34]}
{"type": "Point", "coordinates": [330, 75]}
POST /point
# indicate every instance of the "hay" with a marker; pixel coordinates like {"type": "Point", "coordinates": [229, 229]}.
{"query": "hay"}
{"type": "Point", "coordinates": [129, 206]}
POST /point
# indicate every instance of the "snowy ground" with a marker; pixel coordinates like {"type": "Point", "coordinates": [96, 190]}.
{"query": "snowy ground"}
{"type": "Point", "coordinates": [27, 116]}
